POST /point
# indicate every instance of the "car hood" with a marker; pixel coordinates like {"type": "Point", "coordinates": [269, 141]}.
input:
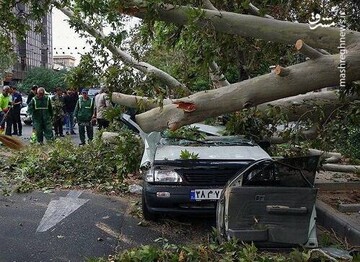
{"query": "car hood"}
{"type": "Point", "coordinates": [172, 152]}
{"type": "Point", "coordinates": [154, 151]}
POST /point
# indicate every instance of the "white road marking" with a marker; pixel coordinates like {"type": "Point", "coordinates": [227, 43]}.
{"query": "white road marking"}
{"type": "Point", "coordinates": [57, 210]}
{"type": "Point", "coordinates": [104, 227]}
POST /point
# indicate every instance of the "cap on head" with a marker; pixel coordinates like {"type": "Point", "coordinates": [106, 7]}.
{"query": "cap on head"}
{"type": "Point", "coordinates": [85, 90]}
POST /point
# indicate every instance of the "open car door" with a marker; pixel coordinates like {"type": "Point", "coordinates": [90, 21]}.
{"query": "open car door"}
{"type": "Point", "coordinates": [271, 203]}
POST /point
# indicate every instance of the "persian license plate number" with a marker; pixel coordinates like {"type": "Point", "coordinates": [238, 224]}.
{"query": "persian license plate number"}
{"type": "Point", "coordinates": [205, 194]}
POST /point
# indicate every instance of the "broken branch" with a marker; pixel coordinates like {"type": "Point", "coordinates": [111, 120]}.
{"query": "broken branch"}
{"type": "Point", "coordinates": [281, 71]}
{"type": "Point", "coordinates": [307, 50]}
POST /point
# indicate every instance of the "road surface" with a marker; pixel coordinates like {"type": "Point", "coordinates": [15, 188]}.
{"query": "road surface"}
{"type": "Point", "coordinates": [73, 226]}
{"type": "Point", "coordinates": [27, 131]}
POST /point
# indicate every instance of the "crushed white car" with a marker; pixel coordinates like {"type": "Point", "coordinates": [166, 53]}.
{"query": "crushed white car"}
{"type": "Point", "coordinates": [255, 198]}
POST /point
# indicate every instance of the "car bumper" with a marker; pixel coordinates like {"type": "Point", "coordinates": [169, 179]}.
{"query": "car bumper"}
{"type": "Point", "coordinates": [25, 118]}
{"type": "Point", "coordinates": [174, 199]}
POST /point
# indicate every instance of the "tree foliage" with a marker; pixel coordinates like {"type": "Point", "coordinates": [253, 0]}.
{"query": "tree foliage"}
{"type": "Point", "coordinates": [7, 55]}
{"type": "Point", "coordinates": [84, 75]}
{"type": "Point", "coordinates": [169, 52]}
{"type": "Point", "coordinates": [45, 77]}
{"type": "Point", "coordinates": [99, 166]}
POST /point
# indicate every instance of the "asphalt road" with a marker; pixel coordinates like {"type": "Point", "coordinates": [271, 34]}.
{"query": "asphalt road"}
{"type": "Point", "coordinates": [76, 225]}
{"type": "Point", "coordinates": [71, 226]}
{"type": "Point", "coordinates": [27, 130]}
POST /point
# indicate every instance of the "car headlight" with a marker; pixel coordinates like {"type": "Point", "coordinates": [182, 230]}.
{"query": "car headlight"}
{"type": "Point", "coordinates": [163, 176]}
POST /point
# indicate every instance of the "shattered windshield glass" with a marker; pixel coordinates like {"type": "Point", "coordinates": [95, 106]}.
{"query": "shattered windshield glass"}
{"type": "Point", "coordinates": [210, 141]}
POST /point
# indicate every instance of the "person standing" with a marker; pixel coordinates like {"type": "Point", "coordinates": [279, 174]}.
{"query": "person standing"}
{"type": "Point", "coordinates": [16, 107]}
{"type": "Point", "coordinates": [70, 101]}
{"type": "Point", "coordinates": [102, 103]}
{"type": "Point", "coordinates": [58, 108]}
{"type": "Point", "coordinates": [83, 112]}
{"type": "Point", "coordinates": [31, 94]}
{"type": "Point", "coordinates": [5, 107]}
{"type": "Point", "coordinates": [42, 112]}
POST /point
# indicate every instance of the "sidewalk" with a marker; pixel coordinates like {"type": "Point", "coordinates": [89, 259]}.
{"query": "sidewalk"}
{"type": "Point", "coordinates": [337, 190]}
{"type": "Point", "coordinates": [346, 226]}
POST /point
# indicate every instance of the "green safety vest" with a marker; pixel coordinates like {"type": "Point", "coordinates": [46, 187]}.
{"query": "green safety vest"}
{"type": "Point", "coordinates": [41, 107]}
{"type": "Point", "coordinates": [87, 107]}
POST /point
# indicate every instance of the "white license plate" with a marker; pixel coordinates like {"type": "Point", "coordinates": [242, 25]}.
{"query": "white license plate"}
{"type": "Point", "coordinates": [205, 194]}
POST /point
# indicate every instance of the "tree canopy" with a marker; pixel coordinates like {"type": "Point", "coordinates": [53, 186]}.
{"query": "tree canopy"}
{"type": "Point", "coordinates": [47, 78]}
{"type": "Point", "coordinates": [186, 61]}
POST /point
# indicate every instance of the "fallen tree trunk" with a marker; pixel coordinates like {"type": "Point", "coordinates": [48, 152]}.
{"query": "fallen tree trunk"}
{"type": "Point", "coordinates": [137, 101]}
{"type": "Point", "coordinates": [341, 168]}
{"type": "Point", "coordinates": [316, 152]}
{"type": "Point", "coordinates": [249, 26]}
{"type": "Point", "coordinates": [309, 106]}
{"type": "Point", "coordinates": [305, 77]}
{"type": "Point", "coordinates": [295, 108]}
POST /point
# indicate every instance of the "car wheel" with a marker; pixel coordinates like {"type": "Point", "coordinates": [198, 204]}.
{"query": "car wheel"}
{"type": "Point", "coordinates": [147, 214]}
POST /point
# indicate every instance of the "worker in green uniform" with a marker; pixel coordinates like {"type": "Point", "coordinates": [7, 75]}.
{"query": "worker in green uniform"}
{"type": "Point", "coordinates": [41, 110]}
{"type": "Point", "coordinates": [84, 110]}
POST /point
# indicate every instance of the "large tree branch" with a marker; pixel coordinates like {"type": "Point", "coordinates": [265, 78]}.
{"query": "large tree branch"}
{"type": "Point", "coordinates": [127, 59]}
{"type": "Point", "coordinates": [300, 106]}
{"type": "Point", "coordinates": [217, 78]}
{"type": "Point", "coordinates": [305, 77]}
{"type": "Point", "coordinates": [256, 11]}
{"type": "Point", "coordinates": [254, 26]}
{"type": "Point", "coordinates": [137, 101]}
{"type": "Point", "coordinates": [308, 106]}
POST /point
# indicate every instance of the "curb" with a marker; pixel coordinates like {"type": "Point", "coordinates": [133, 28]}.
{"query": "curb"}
{"type": "Point", "coordinates": [343, 225]}
{"type": "Point", "coordinates": [330, 186]}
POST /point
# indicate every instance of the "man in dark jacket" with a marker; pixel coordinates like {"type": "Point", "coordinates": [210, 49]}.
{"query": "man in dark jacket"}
{"type": "Point", "coordinates": [17, 104]}
{"type": "Point", "coordinates": [70, 101]}
{"type": "Point", "coordinates": [31, 94]}
{"type": "Point", "coordinates": [83, 112]}
{"type": "Point", "coordinates": [58, 108]}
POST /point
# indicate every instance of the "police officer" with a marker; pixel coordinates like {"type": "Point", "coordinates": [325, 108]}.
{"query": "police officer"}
{"type": "Point", "coordinates": [41, 110]}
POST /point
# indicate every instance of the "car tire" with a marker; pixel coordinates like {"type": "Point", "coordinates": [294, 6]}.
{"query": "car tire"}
{"type": "Point", "coordinates": [147, 214]}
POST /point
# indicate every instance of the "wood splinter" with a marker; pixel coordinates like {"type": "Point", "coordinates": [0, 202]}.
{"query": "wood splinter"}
{"type": "Point", "coordinates": [307, 50]}
{"type": "Point", "coordinates": [281, 71]}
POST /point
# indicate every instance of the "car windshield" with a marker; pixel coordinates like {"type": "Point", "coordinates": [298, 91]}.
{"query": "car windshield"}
{"type": "Point", "coordinates": [210, 140]}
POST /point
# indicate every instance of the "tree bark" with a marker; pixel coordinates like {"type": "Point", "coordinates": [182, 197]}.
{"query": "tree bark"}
{"type": "Point", "coordinates": [307, 50]}
{"type": "Point", "coordinates": [253, 26]}
{"type": "Point", "coordinates": [137, 101]}
{"type": "Point", "coordinates": [342, 168]}
{"type": "Point", "coordinates": [312, 75]}
{"type": "Point", "coordinates": [127, 59]}
{"type": "Point", "coordinates": [306, 106]}
{"type": "Point", "coordinates": [305, 77]}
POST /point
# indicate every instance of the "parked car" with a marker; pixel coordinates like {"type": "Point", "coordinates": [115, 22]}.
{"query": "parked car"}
{"type": "Point", "coordinates": [93, 92]}
{"type": "Point", "coordinates": [175, 185]}
{"type": "Point", "coordinates": [25, 117]}
{"type": "Point", "coordinates": [271, 203]}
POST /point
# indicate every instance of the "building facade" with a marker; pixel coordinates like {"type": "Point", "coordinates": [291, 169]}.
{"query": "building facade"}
{"type": "Point", "coordinates": [64, 61]}
{"type": "Point", "coordinates": [35, 50]}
